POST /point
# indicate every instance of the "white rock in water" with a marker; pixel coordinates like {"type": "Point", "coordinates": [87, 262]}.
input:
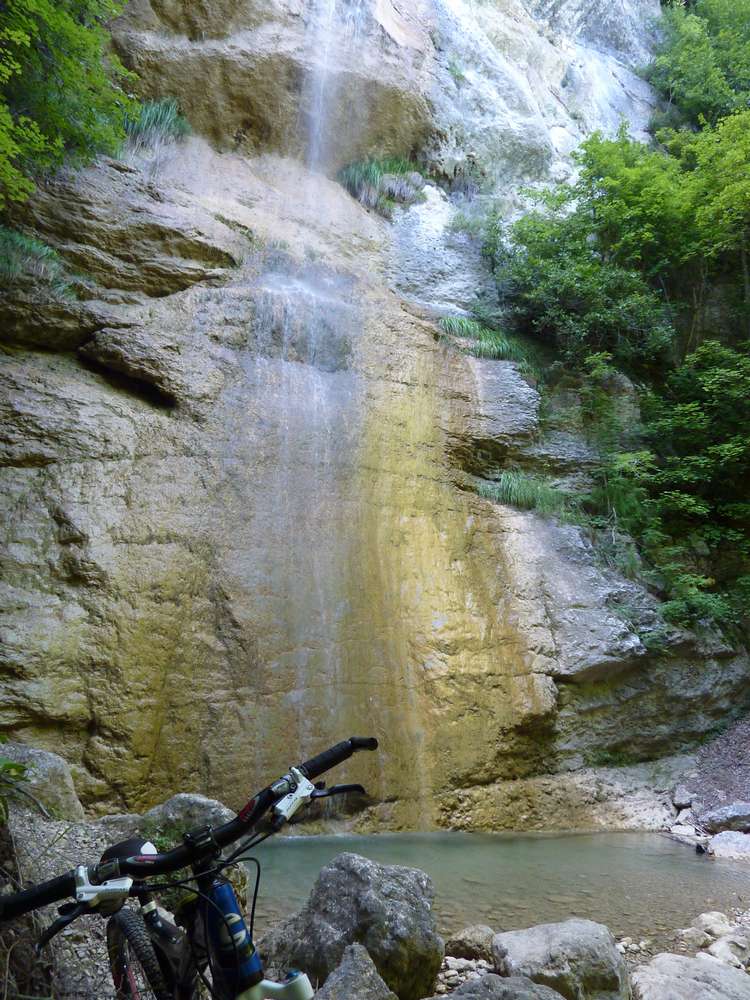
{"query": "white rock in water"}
{"type": "Point", "coordinates": [713, 923]}
{"type": "Point", "coordinates": [471, 942]}
{"type": "Point", "coordinates": [735, 816]}
{"type": "Point", "coordinates": [694, 938]}
{"type": "Point", "coordinates": [682, 797]}
{"type": "Point", "coordinates": [732, 950]}
{"type": "Point", "coordinates": [677, 977]}
{"type": "Point", "coordinates": [730, 844]}
{"type": "Point", "coordinates": [578, 958]}
{"type": "Point", "coordinates": [682, 830]}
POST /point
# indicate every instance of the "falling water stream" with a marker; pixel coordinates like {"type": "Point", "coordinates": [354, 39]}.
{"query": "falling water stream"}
{"type": "Point", "coordinates": [301, 364]}
{"type": "Point", "coordinates": [335, 28]}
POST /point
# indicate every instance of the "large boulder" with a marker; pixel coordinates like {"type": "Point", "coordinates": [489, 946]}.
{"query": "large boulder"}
{"type": "Point", "coordinates": [500, 988]}
{"type": "Point", "coordinates": [355, 977]}
{"type": "Point", "coordinates": [187, 810]}
{"type": "Point", "coordinates": [730, 844]}
{"type": "Point", "coordinates": [713, 923]}
{"type": "Point", "coordinates": [578, 958]}
{"type": "Point", "coordinates": [735, 816]}
{"type": "Point", "coordinates": [47, 778]}
{"type": "Point", "coordinates": [676, 977]}
{"type": "Point", "coordinates": [471, 942]}
{"type": "Point", "coordinates": [386, 908]}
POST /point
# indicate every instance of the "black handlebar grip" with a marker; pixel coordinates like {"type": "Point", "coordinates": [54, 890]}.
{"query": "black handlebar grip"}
{"type": "Point", "coordinates": [15, 904]}
{"type": "Point", "coordinates": [364, 743]}
{"type": "Point", "coordinates": [316, 766]}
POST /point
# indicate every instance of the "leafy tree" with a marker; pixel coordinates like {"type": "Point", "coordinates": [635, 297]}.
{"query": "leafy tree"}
{"type": "Point", "coordinates": [721, 193]}
{"type": "Point", "coordinates": [582, 304]}
{"type": "Point", "coordinates": [634, 202]}
{"type": "Point", "coordinates": [699, 424]}
{"type": "Point", "coordinates": [702, 64]}
{"type": "Point", "coordinates": [61, 89]}
{"type": "Point", "coordinates": [576, 270]}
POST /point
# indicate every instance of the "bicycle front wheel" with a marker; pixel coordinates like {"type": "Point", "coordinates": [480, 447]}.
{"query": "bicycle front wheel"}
{"type": "Point", "coordinates": [135, 967]}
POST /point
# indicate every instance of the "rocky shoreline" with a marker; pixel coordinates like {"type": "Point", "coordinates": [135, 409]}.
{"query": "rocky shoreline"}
{"type": "Point", "coordinates": [369, 931]}
{"type": "Point", "coordinates": [713, 799]}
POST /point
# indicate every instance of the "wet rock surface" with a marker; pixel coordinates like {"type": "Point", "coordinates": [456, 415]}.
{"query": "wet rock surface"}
{"type": "Point", "coordinates": [578, 958]}
{"type": "Point", "coordinates": [674, 977]}
{"type": "Point", "coordinates": [387, 909]}
{"type": "Point", "coordinates": [234, 468]}
{"type": "Point", "coordinates": [492, 987]}
{"type": "Point", "coordinates": [356, 976]}
{"type": "Point", "coordinates": [256, 65]}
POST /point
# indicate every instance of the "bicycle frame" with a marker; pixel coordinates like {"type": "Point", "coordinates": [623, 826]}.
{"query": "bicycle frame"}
{"type": "Point", "coordinates": [216, 924]}
{"type": "Point", "coordinates": [215, 936]}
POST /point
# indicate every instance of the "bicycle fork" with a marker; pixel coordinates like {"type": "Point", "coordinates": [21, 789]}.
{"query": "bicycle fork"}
{"type": "Point", "coordinates": [234, 953]}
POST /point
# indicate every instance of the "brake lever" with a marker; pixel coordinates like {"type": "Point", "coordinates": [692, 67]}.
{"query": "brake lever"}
{"type": "Point", "coordinates": [327, 793]}
{"type": "Point", "coordinates": [68, 913]}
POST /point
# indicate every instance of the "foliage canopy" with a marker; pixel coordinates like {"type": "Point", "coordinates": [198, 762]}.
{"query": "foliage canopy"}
{"type": "Point", "coordinates": [61, 90]}
{"type": "Point", "coordinates": [702, 64]}
{"type": "Point", "coordinates": [642, 265]}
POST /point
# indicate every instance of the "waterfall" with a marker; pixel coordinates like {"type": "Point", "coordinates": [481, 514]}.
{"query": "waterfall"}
{"type": "Point", "coordinates": [301, 347]}
{"type": "Point", "coordinates": [334, 33]}
{"type": "Point", "coordinates": [322, 32]}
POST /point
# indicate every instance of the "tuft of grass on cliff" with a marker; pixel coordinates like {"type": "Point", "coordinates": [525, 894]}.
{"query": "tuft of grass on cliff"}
{"type": "Point", "coordinates": [157, 122]}
{"type": "Point", "coordinates": [23, 256]}
{"type": "Point", "coordinates": [485, 342]}
{"type": "Point", "coordinates": [514, 488]}
{"type": "Point", "coordinates": [381, 184]}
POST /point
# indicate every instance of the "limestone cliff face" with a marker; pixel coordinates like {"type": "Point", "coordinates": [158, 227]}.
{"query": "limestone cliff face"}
{"type": "Point", "coordinates": [234, 468]}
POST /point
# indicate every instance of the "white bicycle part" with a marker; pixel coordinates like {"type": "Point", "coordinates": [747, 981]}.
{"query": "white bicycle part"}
{"type": "Point", "coordinates": [302, 792]}
{"type": "Point", "coordinates": [298, 988]}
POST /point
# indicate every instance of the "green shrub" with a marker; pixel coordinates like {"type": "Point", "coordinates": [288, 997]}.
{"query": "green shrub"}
{"type": "Point", "coordinates": [381, 184]}
{"type": "Point", "coordinates": [157, 121]}
{"type": "Point", "coordinates": [518, 489]}
{"type": "Point", "coordinates": [24, 255]}
{"type": "Point", "coordinates": [62, 90]}
{"type": "Point", "coordinates": [702, 63]}
{"type": "Point", "coordinates": [11, 776]}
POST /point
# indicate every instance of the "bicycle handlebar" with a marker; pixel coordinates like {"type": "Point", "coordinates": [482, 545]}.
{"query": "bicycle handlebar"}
{"type": "Point", "coordinates": [18, 903]}
{"type": "Point", "coordinates": [316, 766]}
{"type": "Point", "coordinates": [144, 866]}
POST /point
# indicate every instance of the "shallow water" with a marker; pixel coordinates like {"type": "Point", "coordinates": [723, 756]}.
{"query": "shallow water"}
{"type": "Point", "coordinates": [641, 884]}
